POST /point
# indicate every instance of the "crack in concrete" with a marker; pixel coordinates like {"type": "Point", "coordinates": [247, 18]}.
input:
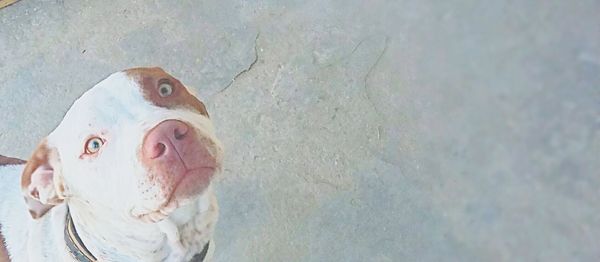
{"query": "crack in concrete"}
{"type": "Point", "coordinates": [247, 69]}
{"type": "Point", "coordinates": [349, 55]}
{"type": "Point", "coordinates": [373, 66]}
{"type": "Point", "coordinates": [356, 47]}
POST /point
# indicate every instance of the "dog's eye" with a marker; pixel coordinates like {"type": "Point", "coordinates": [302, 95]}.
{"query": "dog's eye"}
{"type": "Point", "coordinates": [93, 145]}
{"type": "Point", "coordinates": [165, 89]}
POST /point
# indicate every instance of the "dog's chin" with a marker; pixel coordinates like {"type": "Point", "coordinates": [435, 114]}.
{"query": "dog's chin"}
{"type": "Point", "coordinates": [165, 210]}
{"type": "Point", "coordinates": [186, 191]}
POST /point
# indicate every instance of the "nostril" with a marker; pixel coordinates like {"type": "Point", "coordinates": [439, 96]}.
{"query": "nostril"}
{"type": "Point", "coordinates": [179, 133]}
{"type": "Point", "coordinates": [165, 138]}
{"type": "Point", "coordinates": [160, 149]}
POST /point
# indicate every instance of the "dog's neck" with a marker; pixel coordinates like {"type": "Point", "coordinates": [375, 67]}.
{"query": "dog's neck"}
{"type": "Point", "coordinates": [176, 238]}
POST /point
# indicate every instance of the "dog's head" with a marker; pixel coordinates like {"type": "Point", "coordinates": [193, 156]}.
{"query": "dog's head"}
{"type": "Point", "coordinates": [138, 142]}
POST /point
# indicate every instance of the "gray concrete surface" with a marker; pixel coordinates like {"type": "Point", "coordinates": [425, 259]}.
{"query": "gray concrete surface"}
{"type": "Point", "coordinates": [355, 130]}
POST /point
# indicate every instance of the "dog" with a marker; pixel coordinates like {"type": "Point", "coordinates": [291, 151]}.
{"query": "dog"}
{"type": "Point", "coordinates": [125, 176]}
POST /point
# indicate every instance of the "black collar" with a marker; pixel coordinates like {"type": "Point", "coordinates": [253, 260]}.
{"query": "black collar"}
{"type": "Point", "coordinates": [74, 243]}
{"type": "Point", "coordinates": [80, 253]}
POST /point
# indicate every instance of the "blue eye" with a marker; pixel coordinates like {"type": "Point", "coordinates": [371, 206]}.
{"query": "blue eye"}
{"type": "Point", "coordinates": [93, 145]}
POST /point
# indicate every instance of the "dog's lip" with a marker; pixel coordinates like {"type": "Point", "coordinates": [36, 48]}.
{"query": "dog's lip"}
{"type": "Point", "coordinates": [189, 175]}
{"type": "Point", "coordinates": [186, 176]}
{"type": "Point", "coordinates": [173, 202]}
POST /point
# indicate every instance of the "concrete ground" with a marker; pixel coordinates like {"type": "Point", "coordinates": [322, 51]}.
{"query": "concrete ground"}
{"type": "Point", "coordinates": [355, 130]}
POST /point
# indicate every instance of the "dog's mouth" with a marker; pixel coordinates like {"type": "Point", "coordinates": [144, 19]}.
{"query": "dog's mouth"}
{"type": "Point", "coordinates": [189, 187]}
{"type": "Point", "coordinates": [179, 168]}
{"type": "Point", "coordinates": [186, 190]}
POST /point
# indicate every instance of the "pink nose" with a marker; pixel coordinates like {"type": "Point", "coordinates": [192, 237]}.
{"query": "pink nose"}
{"type": "Point", "coordinates": [178, 159]}
{"type": "Point", "coordinates": [166, 139]}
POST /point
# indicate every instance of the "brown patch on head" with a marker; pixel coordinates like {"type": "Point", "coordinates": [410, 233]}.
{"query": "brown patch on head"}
{"type": "Point", "coordinates": [39, 175]}
{"type": "Point", "coordinates": [39, 158]}
{"type": "Point", "coordinates": [4, 160]}
{"type": "Point", "coordinates": [151, 78]}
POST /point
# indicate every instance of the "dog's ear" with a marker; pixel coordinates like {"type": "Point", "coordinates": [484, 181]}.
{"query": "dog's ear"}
{"type": "Point", "coordinates": [40, 183]}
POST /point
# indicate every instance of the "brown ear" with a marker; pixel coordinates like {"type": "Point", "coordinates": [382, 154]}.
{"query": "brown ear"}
{"type": "Point", "coordinates": [39, 183]}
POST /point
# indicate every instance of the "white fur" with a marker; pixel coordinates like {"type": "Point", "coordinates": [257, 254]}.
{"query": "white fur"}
{"type": "Point", "coordinates": [105, 194]}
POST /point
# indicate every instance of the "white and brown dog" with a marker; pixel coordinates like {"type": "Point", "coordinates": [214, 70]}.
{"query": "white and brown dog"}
{"type": "Point", "coordinates": [125, 176]}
